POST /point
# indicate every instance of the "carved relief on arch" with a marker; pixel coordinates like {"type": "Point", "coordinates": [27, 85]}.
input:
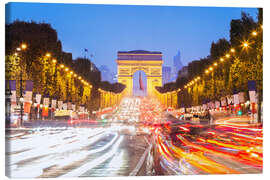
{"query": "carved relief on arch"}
{"type": "Point", "coordinates": [155, 71]}
{"type": "Point", "coordinates": [140, 68]}
{"type": "Point", "coordinates": [124, 71]}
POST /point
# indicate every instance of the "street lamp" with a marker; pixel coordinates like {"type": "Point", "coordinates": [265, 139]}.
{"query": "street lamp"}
{"type": "Point", "coordinates": [245, 44]}
{"type": "Point", "coordinates": [22, 47]}
{"type": "Point", "coordinates": [48, 55]}
{"type": "Point", "coordinates": [254, 33]}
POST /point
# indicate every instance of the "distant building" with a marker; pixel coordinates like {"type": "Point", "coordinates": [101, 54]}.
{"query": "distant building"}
{"type": "Point", "coordinates": [93, 67]}
{"type": "Point", "coordinates": [183, 72]}
{"type": "Point", "coordinates": [106, 74]}
{"type": "Point", "coordinates": [177, 65]}
{"type": "Point", "coordinates": [166, 74]}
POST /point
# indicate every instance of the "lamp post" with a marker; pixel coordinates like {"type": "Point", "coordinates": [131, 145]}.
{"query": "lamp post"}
{"type": "Point", "coordinates": [21, 109]}
{"type": "Point", "coordinates": [20, 49]}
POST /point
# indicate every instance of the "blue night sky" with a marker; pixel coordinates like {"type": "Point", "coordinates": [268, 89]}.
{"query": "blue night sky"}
{"type": "Point", "coordinates": [106, 29]}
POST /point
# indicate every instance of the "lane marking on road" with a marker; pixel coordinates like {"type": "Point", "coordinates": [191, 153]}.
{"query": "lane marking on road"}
{"type": "Point", "coordinates": [141, 161]}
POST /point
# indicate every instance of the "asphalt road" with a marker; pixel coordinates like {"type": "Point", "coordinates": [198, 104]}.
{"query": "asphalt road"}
{"type": "Point", "coordinates": [76, 152]}
{"type": "Point", "coordinates": [137, 140]}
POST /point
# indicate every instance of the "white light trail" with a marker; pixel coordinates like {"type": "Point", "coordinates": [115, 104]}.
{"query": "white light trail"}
{"type": "Point", "coordinates": [86, 167]}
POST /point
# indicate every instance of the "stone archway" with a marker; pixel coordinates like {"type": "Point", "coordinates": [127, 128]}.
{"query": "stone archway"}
{"type": "Point", "coordinates": [128, 62]}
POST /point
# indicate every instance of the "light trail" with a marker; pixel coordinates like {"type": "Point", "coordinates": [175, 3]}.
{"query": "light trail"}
{"type": "Point", "coordinates": [87, 166]}
{"type": "Point", "coordinates": [60, 154]}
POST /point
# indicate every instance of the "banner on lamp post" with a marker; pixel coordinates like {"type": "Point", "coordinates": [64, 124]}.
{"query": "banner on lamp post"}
{"type": "Point", "coordinates": [252, 96]}
{"type": "Point", "coordinates": [82, 109]}
{"type": "Point", "coordinates": [69, 106]}
{"type": "Point", "coordinates": [60, 105]}
{"type": "Point", "coordinates": [230, 99]}
{"type": "Point", "coordinates": [217, 104]}
{"type": "Point", "coordinates": [65, 106]}
{"type": "Point", "coordinates": [211, 105]}
{"type": "Point", "coordinates": [241, 97]}
{"type": "Point", "coordinates": [45, 109]}
{"type": "Point", "coordinates": [12, 87]}
{"type": "Point", "coordinates": [27, 101]}
{"type": "Point", "coordinates": [236, 99]}
{"type": "Point", "coordinates": [223, 101]}
{"type": "Point", "coordinates": [204, 106]}
{"type": "Point", "coordinates": [252, 85]}
{"type": "Point", "coordinates": [53, 106]}
{"type": "Point", "coordinates": [73, 107]}
{"type": "Point", "coordinates": [46, 101]}
{"type": "Point", "coordinates": [182, 110]}
{"type": "Point", "coordinates": [38, 98]}
{"type": "Point", "coordinates": [28, 96]}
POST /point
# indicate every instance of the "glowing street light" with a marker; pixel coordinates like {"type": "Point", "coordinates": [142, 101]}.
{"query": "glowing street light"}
{"type": "Point", "coordinates": [54, 61]}
{"type": "Point", "coordinates": [16, 54]}
{"type": "Point", "coordinates": [79, 77]}
{"type": "Point", "coordinates": [71, 72]}
{"type": "Point", "coordinates": [23, 46]}
{"type": "Point", "coordinates": [206, 71]}
{"type": "Point", "coordinates": [254, 33]}
{"type": "Point", "coordinates": [48, 55]}
{"type": "Point", "coordinates": [227, 55]}
{"type": "Point", "coordinates": [75, 75]}
{"type": "Point", "coordinates": [18, 49]}
{"type": "Point", "coordinates": [62, 66]}
{"type": "Point", "coordinates": [211, 69]}
{"type": "Point", "coordinates": [66, 69]}
{"type": "Point", "coordinates": [245, 44]}
{"type": "Point", "coordinates": [232, 50]}
{"type": "Point", "coordinates": [215, 64]}
{"type": "Point", "coordinates": [221, 59]}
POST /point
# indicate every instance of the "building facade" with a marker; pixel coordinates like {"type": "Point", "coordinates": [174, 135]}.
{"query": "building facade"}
{"type": "Point", "coordinates": [128, 62]}
{"type": "Point", "coordinates": [166, 74]}
{"type": "Point", "coordinates": [177, 65]}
